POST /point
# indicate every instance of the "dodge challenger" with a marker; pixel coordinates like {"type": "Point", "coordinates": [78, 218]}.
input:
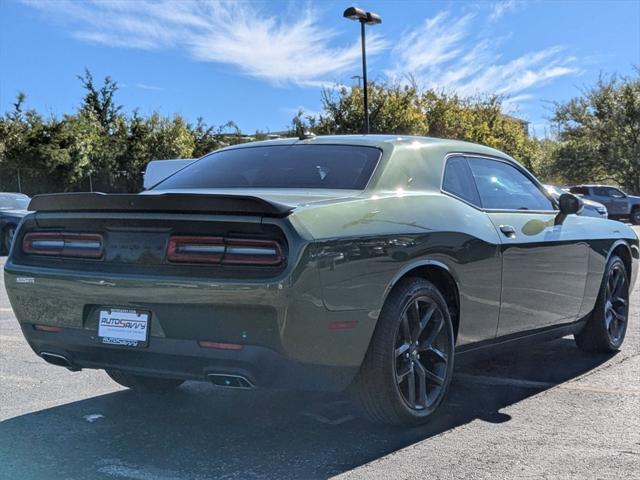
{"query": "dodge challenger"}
{"type": "Point", "coordinates": [360, 263]}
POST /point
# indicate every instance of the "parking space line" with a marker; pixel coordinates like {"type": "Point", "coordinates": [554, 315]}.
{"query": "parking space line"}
{"type": "Point", "coordinates": [505, 381]}
{"type": "Point", "coordinates": [521, 383]}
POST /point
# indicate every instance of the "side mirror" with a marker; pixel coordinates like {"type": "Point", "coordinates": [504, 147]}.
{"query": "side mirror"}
{"type": "Point", "coordinates": [569, 205]}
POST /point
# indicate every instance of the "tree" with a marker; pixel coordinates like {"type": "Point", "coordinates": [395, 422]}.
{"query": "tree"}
{"type": "Point", "coordinates": [599, 134]}
{"type": "Point", "coordinates": [404, 110]}
{"type": "Point", "coordinates": [100, 101]}
{"type": "Point", "coordinates": [392, 109]}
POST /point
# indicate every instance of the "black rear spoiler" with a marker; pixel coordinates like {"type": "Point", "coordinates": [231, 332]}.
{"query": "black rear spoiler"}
{"type": "Point", "coordinates": [163, 202]}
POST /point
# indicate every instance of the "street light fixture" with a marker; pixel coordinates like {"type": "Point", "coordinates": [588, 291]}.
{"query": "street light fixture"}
{"type": "Point", "coordinates": [365, 18]}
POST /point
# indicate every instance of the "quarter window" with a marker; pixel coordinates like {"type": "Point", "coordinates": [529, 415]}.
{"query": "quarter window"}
{"type": "Point", "coordinates": [459, 181]}
{"type": "Point", "coordinates": [502, 186]}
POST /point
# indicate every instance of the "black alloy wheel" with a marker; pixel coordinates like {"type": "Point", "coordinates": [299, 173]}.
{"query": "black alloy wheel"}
{"type": "Point", "coordinates": [408, 367]}
{"type": "Point", "coordinates": [422, 353]}
{"type": "Point", "coordinates": [606, 328]}
{"type": "Point", "coordinates": [616, 304]}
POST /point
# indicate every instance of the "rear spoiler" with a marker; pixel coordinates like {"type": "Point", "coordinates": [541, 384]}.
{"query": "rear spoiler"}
{"type": "Point", "coordinates": [164, 202]}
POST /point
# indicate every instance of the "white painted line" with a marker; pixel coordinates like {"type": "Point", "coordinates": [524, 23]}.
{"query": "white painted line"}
{"type": "Point", "coordinates": [520, 383]}
{"type": "Point", "coordinates": [505, 381]}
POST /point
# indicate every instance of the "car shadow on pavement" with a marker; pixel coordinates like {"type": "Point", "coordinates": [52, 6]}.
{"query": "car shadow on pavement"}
{"type": "Point", "coordinates": [203, 432]}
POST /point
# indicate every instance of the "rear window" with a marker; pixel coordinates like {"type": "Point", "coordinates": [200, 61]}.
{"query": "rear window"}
{"type": "Point", "coordinates": [278, 166]}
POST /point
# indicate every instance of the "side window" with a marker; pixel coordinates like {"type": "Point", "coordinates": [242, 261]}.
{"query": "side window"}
{"type": "Point", "coordinates": [459, 181]}
{"type": "Point", "coordinates": [503, 186]}
{"type": "Point", "coordinates": [614, 193]}
{"type": "Point", "coordinates": [601, 191]}
{"type": "Point", "coordinates": [579, 190]}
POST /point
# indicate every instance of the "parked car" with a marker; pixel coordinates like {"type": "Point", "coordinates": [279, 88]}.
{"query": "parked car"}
{"type": "Point", "coordinates": [362, 262]}
{"type": "Point", "coordinates": [619, 205]}
{"type": "Point", "coordinates": [13, 206]}
{"type": "Point", "coordinates": [158, 170]}
{"type": "Point", "coordinates": [590, 208]}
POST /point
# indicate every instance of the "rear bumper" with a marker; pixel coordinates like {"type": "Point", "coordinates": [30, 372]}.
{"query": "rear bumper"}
{"type": "Point", "coordinates": [289, 338]}
{"type": "Point", "coordinates": [185, 359]}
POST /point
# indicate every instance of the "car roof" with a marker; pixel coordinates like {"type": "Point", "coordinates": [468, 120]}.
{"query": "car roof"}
{"type": "Point", "coordinates": [588, 185]}
{"type": "Point", "coordinates": [379, 141]}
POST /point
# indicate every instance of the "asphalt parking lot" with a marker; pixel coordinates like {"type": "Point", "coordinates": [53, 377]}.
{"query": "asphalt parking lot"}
{"type": "Point", "coordinates": [550, 411]}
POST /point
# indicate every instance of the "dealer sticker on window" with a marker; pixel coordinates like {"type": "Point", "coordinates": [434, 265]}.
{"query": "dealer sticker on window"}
{"type": "Point", "coordinates": [123, 327]}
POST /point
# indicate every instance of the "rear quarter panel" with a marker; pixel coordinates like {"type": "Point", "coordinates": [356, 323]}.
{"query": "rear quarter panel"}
{"type": "Point", "coordinates": [364, 246]}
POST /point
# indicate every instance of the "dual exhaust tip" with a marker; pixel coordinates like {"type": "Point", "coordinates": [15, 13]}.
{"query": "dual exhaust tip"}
{"type": "Point", "coordinates": [224, 380]}
{"type": "Point", "coordinates": [59, 360]}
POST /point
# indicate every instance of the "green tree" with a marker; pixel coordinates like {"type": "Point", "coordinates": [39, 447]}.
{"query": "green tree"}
{"type": "Point", "coordinates": [392, 109]}
{"type": "Point", "coordinates": [100, 101]}
{"type": "Point", "coordinates": [404, 110]}
{"type": "Point", "coordinates": [599, 134]}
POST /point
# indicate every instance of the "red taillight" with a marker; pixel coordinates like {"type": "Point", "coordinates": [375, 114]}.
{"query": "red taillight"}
{"type": "Point", "coordinates": [220, 345]}
{"type": "Point", "coordinates": [226, 251]}
{"type": "Point", "coordinates": [252, 252]}
{"type": "Point", "coordinates": [196, 249]}
{"type": "Point", "coordinates": [47, 328]}
{"type": "Point", "coordinates": [86, 245]}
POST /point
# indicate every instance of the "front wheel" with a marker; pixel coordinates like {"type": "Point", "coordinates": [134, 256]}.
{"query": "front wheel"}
{"type": "Point", "coordinates": [143, 382]}
{"type": "Point", "coordinates": [606, 328]}
{"type": "Point", "coordinates": [635, 216]}
{"type": "Point", "coordinates": [408, 368]}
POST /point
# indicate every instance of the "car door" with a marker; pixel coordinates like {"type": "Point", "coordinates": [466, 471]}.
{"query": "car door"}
{"type": "Point", "coordinates": [615, 200]}
{"type": "Point", "coordinates": [544, 264]}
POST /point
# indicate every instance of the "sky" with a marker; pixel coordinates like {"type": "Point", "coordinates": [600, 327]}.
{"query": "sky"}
{"type": "Point", "coordinates": [257, 63]}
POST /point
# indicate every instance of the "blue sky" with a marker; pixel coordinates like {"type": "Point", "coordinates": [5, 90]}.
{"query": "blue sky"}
{"type": "Point", "coordinates": [257, 63]}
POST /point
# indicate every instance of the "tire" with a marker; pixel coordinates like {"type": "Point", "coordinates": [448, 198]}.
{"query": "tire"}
{"type": "Point", "coordinates": [606, 328]}
{"type": "Point", "coordinates": [635, 216]}
{"type": "Point", "coordinates": [383, 387]}
{"type": "Point", "coordinates": [143, 382]}
{"type": "Point", "coordinates": [7, 237]}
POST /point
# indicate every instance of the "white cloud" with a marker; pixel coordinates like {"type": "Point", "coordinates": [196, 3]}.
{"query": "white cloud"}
{"type": "Point", "coordinates": [280, 49]}
{"type": "Point", "coordinates": [500, 8]}
{"type": "Point", "coordinates": [447, 53]}
{"type": "Point", "coordinates": [144, 86]}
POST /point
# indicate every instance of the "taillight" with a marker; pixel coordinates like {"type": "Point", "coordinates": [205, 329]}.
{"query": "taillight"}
{"type": "Point", "coordinates": [86, 245]}
{"type": "Point", "coordinates": [226, 251]}
{"type": "Point", "coordinates": [196, 249]}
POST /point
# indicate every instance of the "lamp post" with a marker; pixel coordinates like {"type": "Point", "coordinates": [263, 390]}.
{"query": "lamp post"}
{"type": "Point", "coordinates": [365, 18]}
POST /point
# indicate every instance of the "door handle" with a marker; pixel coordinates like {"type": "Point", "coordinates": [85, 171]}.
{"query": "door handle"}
{"type": "Point", "coordinates": [508, 231]}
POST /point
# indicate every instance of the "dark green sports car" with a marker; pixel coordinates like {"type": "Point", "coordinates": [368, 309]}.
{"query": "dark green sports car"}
{"type": "Point", "coordinates": [361, 262]}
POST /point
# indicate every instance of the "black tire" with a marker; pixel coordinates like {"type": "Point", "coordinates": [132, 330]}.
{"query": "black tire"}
{"type": "Point", "coordinates": [143, 382]}
{"type": "Point", "coordinates": [635, 216]}
{"type": "Point", "coordinates": [415, 311]}
{"type": "Point", "coordinates": [606, 328]}
{"type": "Point", "coordinates": [7, 237]}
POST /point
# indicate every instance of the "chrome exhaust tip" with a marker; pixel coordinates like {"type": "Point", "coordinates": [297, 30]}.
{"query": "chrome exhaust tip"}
{"type": "Point", "coordinates": [230, 381]}
{"type": "Point", "coordinates": [58, 360]}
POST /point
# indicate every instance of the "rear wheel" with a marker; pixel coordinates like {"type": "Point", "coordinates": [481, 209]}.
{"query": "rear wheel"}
{"type": "Point", "coordinates": [635, 216]}
{"type": "Point", "coordinates": [143, 382]}
{"type": "Point", "coordinates": [607, 326]}
{"type": "Point", "coordinates": [407, 370]}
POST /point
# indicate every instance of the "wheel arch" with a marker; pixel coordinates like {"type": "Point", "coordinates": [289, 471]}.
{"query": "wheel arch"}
{"type": "Point", "coordinates": [442, 276]}
{"type": "Point", "coordinates": [622, 249]}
